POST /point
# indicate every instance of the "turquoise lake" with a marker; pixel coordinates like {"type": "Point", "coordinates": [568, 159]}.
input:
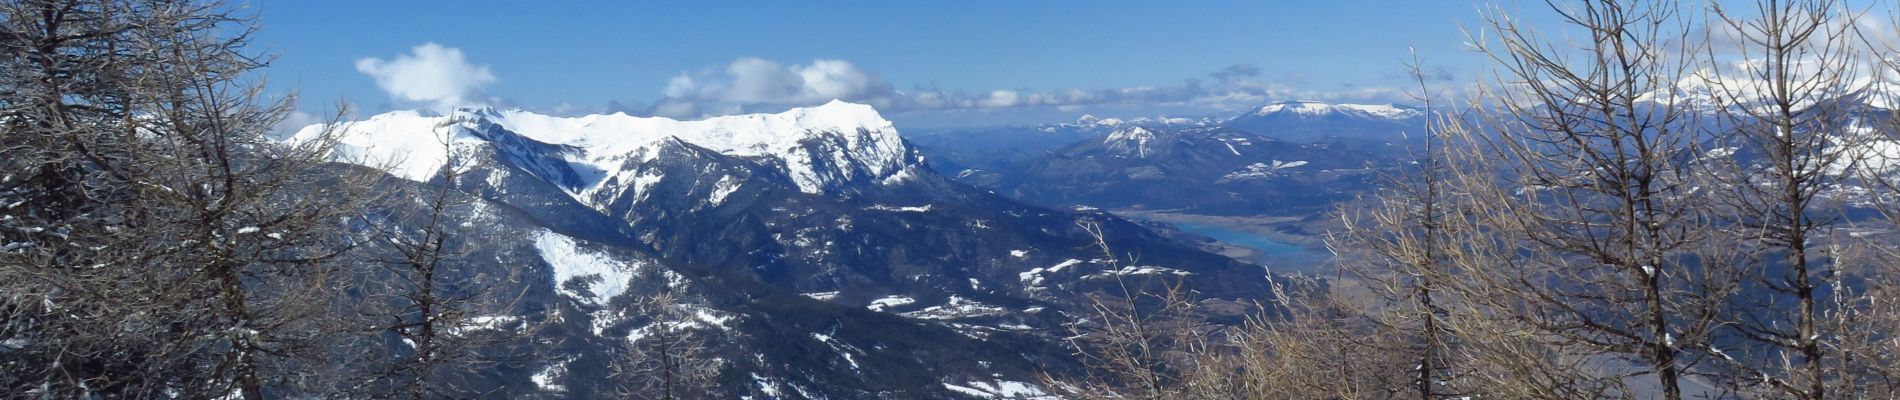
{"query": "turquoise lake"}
{"type": "Point", "coordinates": [1286, 257]}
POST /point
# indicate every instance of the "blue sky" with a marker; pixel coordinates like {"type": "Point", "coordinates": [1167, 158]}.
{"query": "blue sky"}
{"type": "Point", "coordinates": [1054, 59]}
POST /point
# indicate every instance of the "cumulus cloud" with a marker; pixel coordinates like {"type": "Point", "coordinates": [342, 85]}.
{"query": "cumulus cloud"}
{"type": "Point", "coordinates": [431, 74]}
{"type": "Point", "coordinates": [749, 83]}
{"type": "Point", "coordinates": [756, 85]}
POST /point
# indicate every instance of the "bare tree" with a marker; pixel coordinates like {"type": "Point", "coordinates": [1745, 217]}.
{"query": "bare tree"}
{"type": "Point", "coordinates": [1787, 106]}
{"type": "Point", "coordinates": [445, 311]}
{"type": "Point", "coordinates": [1397, 247]}
{"type": "Point", "coordinates": [1328, 344]}
{"type": "Point", "coordinates": [1144, 342]}
{"type": "Point", "coordinates": [160, 245]}
{"type": "Point", "coordinates": [1592, 190]}
{"type": "Point", "coordinates": [1865, 286]}
{"type": "Point", "coordinates": [667, 359]}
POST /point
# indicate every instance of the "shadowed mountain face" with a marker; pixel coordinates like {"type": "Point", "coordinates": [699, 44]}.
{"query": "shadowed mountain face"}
{"type": "Point", "coordinates": [816, 249]}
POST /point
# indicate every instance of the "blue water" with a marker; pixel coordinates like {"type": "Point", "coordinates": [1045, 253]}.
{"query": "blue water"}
{"type": "Point", "coordinates": [1243, 239]}
{"type": "Point", "coordinates": [1285, 257]}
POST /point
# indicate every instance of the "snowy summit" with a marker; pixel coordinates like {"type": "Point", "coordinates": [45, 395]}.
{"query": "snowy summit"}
{"type": "Point", "coordinates": [818, 147]}
{"type": "Point", "coordinates": [1314, 108]}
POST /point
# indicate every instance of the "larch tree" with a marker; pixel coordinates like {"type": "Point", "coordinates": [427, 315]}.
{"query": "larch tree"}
{"type": "Point", "coordinates": [1586, 141]}
{"type": "Point", "coordinates": [1787, 104]}
{"type": "Point", "coordinates": [158, 244]}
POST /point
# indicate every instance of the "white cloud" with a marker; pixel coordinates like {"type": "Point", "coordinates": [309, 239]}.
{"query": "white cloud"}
{"type": "Point", "coordinates": [680, 86]}
{"type": "Point", "coordinates": [432, 74]}
{"type": "Point", "coordinates": [292, 122]}
{"type": "Point", "coordinates": [1001, 98]}
{"type": "Point", "coordinates": [751, 82]}
{"type": "Point", "coordinates": [829, 79]}
{"type": "Point", "coordinates": [760, 81]}
{"type": "Point", "coordinates": [757, 85]}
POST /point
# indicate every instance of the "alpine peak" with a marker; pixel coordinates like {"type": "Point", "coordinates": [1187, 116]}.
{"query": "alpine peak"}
{"type": "Point", "coordinates": [1314, 108]}
{"type": "Point", "coordinates": [819, 147]}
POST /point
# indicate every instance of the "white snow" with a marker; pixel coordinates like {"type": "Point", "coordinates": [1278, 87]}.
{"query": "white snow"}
{"type": "Point", "coordinates": [1387, 111]}
{"type": "Point", "coordinates": [844, 350]}
{"type": "Point", "coordinates": [901, 176]}
{"type": "Point", "coordinates": [1033, 277]}
{"type": "Point", "coordinates": [888, 302]}
{"type": "Point", "coordinates": [1262, 170]}
{"type": "Point", "coordinates": [1135, 138]}
{"type": "Point", "coordinates": [1881, 157]}
{"type": "Point", "coordinates": [545, 379]}
{"type": "Point", "coordinates": [881, 207]}
{"type": "Point", "coordinates": [702, 319]}
{"type": "Point", "coordinates": [1140, 270]}
{"type": "Point", "coordinates": [712, 318]}
{"type": "Point", "coordinates": [409, 144]}
{"type": "Point", "coordinates": [483, 323]}
{"type": "Point", "coordinates": [956, 308]}
{"type": "Point", "coordinates": [999, 390]}
{"type": "Point", "coordinates": [405, 143]}
{"type": "Point", "coordinates": [1091, 120]}
{"type": "Point", "coordinates": [766, 386]}
{"type": "Point", "coordinates": [607, 277]}
{"type": "Point", "coordinates": [726, 185]}
{"type": "Point", "coordinates": [1019, 253]}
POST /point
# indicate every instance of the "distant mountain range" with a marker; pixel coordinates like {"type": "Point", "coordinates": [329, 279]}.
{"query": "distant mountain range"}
{"type": "Point", "coordinates": [1283, 158]}
{"type": "Point", "coordinates": [819, 249]}
{"type": "Point", "coordinates": [1306, 121]}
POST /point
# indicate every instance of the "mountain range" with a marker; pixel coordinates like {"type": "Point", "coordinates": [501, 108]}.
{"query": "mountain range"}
{"type": "Point", "coordinates": [1283, 158]}
{"type": "Point", "coordinates": [817, 247]}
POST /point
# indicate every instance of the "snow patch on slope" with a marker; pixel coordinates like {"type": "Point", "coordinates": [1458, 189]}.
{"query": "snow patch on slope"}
{"type": "Point", "coordinates": [881, 207]}
{"type": "Point", "coordinates": [606, 278]}
{"type": "Point", "coordinates": [1135, 139]}
{"type": "Point", "coordinates": [956, 308]}
{"type": "Point", "coordinates": [1033, 277]}
{"type": "Point", "coordinates": [999, 390]}
{"type": "Point", "coordinates": [882, 304]}
{"type": "Point", "coordinates": [726, 185]}
{"type": "Point", "coordinates": [1261, 170]}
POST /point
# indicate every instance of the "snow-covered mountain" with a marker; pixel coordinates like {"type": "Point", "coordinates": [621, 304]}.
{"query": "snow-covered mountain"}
{"type": "Point", "coordinates": [1131, 141]}
{"type": "Point", "coordinates": [826, 255]}
{"type": "Point", "coordinates": [1302, 121]}
{"type": "Point", "coordinates": [1319, 109]}
{"type": "Point", "coordinates": [822, 149]}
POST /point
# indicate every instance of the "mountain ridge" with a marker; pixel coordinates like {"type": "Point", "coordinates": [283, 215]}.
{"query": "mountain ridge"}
{"type": "Point", "coordinates": [869, 240]}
